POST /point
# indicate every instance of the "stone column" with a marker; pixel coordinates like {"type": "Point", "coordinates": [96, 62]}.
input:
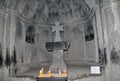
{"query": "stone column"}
{"type": "Point", "coordinates": [2, 24]}
{"type": "Point", "coordinates": [5, 33]}
{"type": "Point", "coordinates": [115, 6]}
{"type": "Point", "coordinates": [114, 35]}
{"type": "Point", "coordinates": [12, 32]}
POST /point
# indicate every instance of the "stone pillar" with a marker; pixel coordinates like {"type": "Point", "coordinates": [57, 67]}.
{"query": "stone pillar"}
{"type": "Point", "coordinates": [23, 42]}
{"type": "Point", "coordinates": [5, 33]}
{"type": "Point", "coordinates": [107, 46]}
{"type": "Point", "coordinates": [99, 26]}
{"type": "Point", "coordinates": [115, 5]}
{"type": "Point", "coordinates": [12, 32]}
{"type": "Point", "coordinates": [114, 36]}
{"type": "Point", "coordinates": [58, 61]}
{"type": "Point", "coordinates": [2, 24]}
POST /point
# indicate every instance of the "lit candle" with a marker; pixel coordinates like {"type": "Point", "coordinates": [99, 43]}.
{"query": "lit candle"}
{"type": "Point", "coordinates": [65, 73]}
{"type": "Point", "coordinates": [60, 73]}
{"type": "Point", "coordinates": [49, 73]}
{"type": "Point", "coordinates": [40, 73]}
{"type": "Point", "coordinates": [42, 69]}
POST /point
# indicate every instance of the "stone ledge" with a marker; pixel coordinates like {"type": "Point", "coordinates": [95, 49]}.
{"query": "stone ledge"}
{"type": "Point", "coordinates": [52, 79]}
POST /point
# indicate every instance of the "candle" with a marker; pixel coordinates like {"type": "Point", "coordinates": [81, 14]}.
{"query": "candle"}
{"type": "Point", "coordinates": [49, 73]}
{"type": "Point", "coordinates": [65, 73]}
{"type": "Point", "coordinates": [41, 73]}
{"type": "Point", "coordinates": [60, 73]}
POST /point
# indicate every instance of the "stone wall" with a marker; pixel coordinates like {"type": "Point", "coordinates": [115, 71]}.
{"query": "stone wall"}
{"type": "Point", "coordinates": [78, 30]}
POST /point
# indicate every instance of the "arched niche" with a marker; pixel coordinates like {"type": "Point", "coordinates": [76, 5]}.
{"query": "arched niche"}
{"type": "Point", "coordinates": [30, 34]}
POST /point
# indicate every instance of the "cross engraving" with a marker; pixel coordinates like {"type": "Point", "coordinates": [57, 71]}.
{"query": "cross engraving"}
{"type": "Point", "coordinates": [57, 28]}
{"type": "Point", "coordinates": [58, 61]}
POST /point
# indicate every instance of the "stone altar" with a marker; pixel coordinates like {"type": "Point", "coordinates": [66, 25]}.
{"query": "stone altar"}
{"type": "Point", "coordinates": [58, 68]}
{"type": "Point", "coordinates": [58, 61]}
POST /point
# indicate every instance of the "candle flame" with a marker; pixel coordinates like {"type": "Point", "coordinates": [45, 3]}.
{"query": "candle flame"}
{"type": "Point", "coordinates": [64, 74]}
{"type": "Point", "coordinates": [42, 69]}
{"type": "Point", "coordinates": [60, 73]}
{"type": "Point", "coordinates": [49, 73]}
{"type": "Point", "coordinates": [41, 73]}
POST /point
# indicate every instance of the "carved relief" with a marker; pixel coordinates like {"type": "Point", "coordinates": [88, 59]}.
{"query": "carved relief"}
{"type": "Point", "coordinates": [42, 12]}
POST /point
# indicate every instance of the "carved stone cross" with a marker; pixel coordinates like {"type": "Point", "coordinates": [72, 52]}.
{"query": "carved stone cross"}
{"type": "Point", "coordinates": [58, 61]}
{"type": "Point", "coordinates": [57, 28]}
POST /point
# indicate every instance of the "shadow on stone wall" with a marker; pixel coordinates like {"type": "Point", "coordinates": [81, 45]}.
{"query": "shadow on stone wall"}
{"type": "Point", "coordinates": [30, 33]}
{"type": "Point", "coordinates": [102, 56]}
{"type": "Point", "coordinates": [1, 56]}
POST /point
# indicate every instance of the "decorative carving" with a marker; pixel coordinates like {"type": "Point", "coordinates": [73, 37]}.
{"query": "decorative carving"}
{"type": "Point", "coordinates": [43, 10]}
{"type": "Point", "coordinates": [57, 28]}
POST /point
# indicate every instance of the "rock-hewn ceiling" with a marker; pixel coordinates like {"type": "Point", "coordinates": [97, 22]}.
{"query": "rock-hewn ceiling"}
{"type": "Point", "coordinates": [44, 10]}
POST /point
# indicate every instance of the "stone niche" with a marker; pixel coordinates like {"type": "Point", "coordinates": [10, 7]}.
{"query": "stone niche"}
{"type": "Point", "coordinates": [81, 50]}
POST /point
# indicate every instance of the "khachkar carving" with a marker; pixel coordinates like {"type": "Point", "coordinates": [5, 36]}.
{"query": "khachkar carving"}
{"type": "Point", "coordinates": [58, 47]}
{"type": "Point", "coordinates": [58, 62]}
